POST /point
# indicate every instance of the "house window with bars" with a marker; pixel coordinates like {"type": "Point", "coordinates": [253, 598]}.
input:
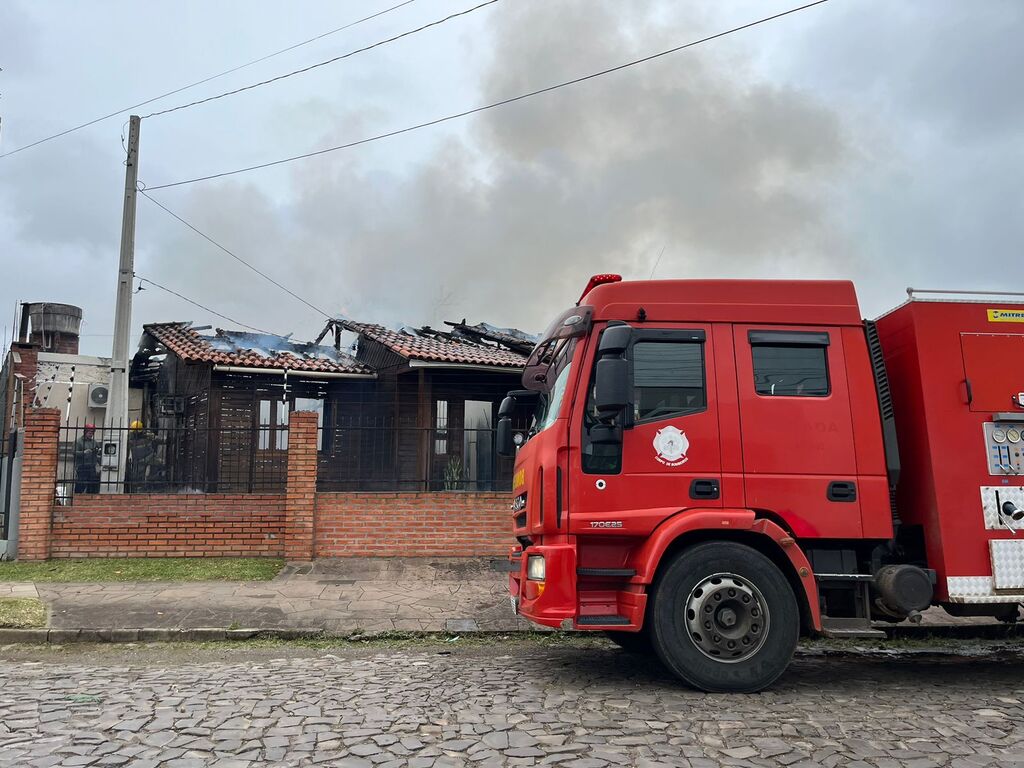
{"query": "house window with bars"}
{"type": "Point", "coordinates": [441, 427]}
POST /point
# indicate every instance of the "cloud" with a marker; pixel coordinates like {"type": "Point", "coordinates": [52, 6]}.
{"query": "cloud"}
{"type": "Point", "coordinates": [926, 94]}
{"type": "Point", "coordinates": [18, 37]}
{"type": "Point", "coordinates": [866, 141]}
{"type": "Point", "coordinates": [507, 220]}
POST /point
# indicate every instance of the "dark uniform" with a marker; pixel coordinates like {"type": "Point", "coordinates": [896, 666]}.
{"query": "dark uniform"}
{"type": "Point", "coordinates": [142, 460]}
{"type": "Point", "coordinates": [87, 464]}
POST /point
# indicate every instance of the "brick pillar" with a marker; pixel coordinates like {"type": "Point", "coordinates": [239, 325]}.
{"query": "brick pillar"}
{"type": "Point", "coordinates": [300, 495]}
{"type": "Point", "coordinates": [38, 482]}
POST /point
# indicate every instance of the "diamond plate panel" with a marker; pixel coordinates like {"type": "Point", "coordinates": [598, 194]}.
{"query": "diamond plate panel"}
{"type": "Point", "coordinates": [1007, 563]}
{"type": "Point", "coordinates": [991, 509]}
{"type": "Point", "coordinates": [969, 586]}
{"type": "Point", "coordinates": [977, 589]}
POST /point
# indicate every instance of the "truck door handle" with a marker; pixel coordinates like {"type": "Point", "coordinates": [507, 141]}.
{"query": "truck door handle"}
{"type": "Point", "coordinates": [841, 490]}
{"type": "Point", "coordinates": [704, 489]}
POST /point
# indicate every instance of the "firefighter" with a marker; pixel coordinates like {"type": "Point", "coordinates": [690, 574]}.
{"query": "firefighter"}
{"type": "Point", "coordinates": [142, 457]}
{"type": "Point", "coordinates": [87, 461]}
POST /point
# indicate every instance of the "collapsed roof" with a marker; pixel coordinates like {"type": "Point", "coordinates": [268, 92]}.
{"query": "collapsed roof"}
{"type": "Point", "coordinates": [241, 349]}
{"type": "Point", "coordinates": [473, 345]}
{"type": "Point", "coordinates": [480, 345]}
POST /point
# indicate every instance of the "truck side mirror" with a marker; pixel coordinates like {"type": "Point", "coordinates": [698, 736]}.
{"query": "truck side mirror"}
{"type": "Point", "coordinates": [614, 340]}
{"type": "Point", "coordinates": [507, 407]}
{"type": "Point", "coordinates": [503, 435]}
{"type": "Point", "coordinates": [611, 386]}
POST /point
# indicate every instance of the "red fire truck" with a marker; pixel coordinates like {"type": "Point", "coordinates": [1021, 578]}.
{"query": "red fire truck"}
{"type": "Point", "coordinates": [715, 467]}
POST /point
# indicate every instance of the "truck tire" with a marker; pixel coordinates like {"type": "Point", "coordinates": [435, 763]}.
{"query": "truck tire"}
{"type": "Point", "coordinates": [724, 618]}
{"type": "Point", "coordinates": [631, 642]}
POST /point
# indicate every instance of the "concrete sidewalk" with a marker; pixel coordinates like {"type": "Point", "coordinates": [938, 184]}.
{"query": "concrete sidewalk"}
{"type": "Point", "coordinates": [342, 597]}
{"type": "Point", "coordinates": [335, 596]}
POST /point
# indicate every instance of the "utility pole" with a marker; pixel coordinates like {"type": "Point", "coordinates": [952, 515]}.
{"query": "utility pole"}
{"type": "Point", "coordinates": [113, 463]}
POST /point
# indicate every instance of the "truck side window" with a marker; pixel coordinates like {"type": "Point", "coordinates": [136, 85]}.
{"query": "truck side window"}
{"type": "Point", "coordinates": [668, 379]}
{"type": "Point", "coordinates": [790, 364]}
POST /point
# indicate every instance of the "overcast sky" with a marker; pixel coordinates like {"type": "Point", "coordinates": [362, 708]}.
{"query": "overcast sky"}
{"type": "Point", "coordinates": [876, 141]}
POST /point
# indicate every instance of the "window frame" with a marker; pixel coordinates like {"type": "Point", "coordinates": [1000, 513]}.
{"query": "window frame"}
{"type": "Point", "coordinates": [695, 336]}
{"type": "Point", "coordinates": [639, 335]}
{"type": "Point", "coordinates": [790, 339]}
{"type": "Point", "coordinates": [441, 426]}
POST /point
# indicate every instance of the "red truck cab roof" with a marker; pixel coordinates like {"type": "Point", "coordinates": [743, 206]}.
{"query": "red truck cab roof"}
{"type": "Point", "coordinates": [810, 302]}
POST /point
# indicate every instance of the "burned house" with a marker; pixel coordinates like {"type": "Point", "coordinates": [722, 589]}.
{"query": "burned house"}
{"type": "Point", "coordinates": [409, 409]}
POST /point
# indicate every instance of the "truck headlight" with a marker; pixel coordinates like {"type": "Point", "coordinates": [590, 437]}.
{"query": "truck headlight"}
{"type": "Point", "coordinates": [535, 568]}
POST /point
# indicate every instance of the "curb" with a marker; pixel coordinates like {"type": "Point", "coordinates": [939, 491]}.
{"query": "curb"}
{"type": "Point", "coordinates": [219, 634]}
{"type": "Point", "coordinates": [982, 632]}
{"type": "Point", "coordinates": [152, 635]}
{"type": "Point", "coordinates": [955, 632]}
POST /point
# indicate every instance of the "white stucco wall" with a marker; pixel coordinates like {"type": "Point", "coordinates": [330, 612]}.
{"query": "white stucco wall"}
{"type": "Point", "coordinates": [53, 383]}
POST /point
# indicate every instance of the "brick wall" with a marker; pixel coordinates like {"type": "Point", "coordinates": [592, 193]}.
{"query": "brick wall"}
{"type": "Point", "coordinates": [412, 524]}
{"type": "Point", "coordinates": [299, 524]}
{"type": "Point", "coordinates": [300, 496]}
{"type": "Point", "coordinates": [38, 471]}
{"type": "Point", "coordinates": [169, 525]}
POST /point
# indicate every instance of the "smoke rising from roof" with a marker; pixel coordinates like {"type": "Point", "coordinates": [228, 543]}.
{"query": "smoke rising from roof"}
{"type": "Point", "coordinates": [869, 140]}
{"type": "Point", "coordinates": [507, 220]}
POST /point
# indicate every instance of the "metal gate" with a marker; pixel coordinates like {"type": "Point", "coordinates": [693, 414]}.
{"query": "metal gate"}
{"type": "Point", "coordinates": [10, 495]}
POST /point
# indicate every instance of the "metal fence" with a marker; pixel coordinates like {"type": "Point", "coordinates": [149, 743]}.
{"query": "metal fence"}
{"type": "Point", "coordinates": [171, 460]}
{"type": "Point", "coordinates": [357, 457]}
{"type": "Point", "coordinates": [397, 458]}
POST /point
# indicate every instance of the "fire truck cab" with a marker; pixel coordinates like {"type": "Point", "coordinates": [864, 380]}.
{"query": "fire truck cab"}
{"type": "Point", "coordinates": [713, 467]}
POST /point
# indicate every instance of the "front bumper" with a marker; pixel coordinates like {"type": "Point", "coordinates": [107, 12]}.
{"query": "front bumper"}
{"type": "Point", "coordinates": [548, 602]}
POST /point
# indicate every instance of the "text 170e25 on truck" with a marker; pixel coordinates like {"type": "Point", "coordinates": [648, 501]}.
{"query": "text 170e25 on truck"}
{"type": "Point", "coordinates": [715, 467]}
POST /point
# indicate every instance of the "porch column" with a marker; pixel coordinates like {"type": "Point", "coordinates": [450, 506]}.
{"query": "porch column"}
{"type": "Point", "coordinates": [38, 482]}
{"type": "Point", "coordinates": [300, 493]}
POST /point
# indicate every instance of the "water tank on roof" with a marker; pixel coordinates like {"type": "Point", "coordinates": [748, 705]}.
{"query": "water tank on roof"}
{"type": "Point", "coordinates": [55, 327]}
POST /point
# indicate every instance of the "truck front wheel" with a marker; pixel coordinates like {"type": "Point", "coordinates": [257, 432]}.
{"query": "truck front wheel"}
{"type": "Point", "coordinates": [724, 618]}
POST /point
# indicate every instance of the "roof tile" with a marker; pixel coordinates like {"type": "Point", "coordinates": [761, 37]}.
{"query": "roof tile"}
{"type": "Point", "coordinates": [253, 350]}
{"type": "Point", "coordinates": [436, 350]}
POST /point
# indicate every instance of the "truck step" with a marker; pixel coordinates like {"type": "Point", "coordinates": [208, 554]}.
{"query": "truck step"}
{"type": "Point", "coordinates": [602, 621]}
{"type": "Point", "coordinates": [853, 627]}
{"type": "Point", "coordinates": [623, 573]}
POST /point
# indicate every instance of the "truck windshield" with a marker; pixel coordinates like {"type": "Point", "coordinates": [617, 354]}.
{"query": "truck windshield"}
{"type": "Point", "coordinates": [539, 374]}
{"type": "Point", "coordinates": [550, 402]}
{"type": "Point", "coordinates": [548, 368]}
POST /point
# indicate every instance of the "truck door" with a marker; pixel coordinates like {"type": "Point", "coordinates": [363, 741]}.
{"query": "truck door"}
{"type": "Point", "coordinates": [796, 428]}
{"type": "Point", "coordinates": [669, 458]}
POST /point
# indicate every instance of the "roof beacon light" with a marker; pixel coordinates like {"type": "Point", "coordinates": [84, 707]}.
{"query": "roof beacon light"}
{"type": "Point", "coordinates": [597, 280]}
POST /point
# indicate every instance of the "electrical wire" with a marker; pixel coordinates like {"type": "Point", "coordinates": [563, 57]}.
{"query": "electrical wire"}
{"type": "Point", "coordinates": [486, 107]}
{"type": "Point", "coordinates": [201, 306]}
{"type": "Point", "coordinates": [207, 79]}
{"type": "Point", "coordinates": [321, 63]}
{"type": "Point", "coordinates": [233, 255]}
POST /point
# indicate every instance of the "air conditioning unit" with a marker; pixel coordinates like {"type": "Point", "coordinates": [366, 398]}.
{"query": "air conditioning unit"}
{"type": "Point", "coordinates": [99, 394]}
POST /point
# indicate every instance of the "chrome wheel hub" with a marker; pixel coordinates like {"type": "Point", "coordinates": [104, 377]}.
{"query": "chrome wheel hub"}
{"type": "Point", "coordinates": [726, 617]}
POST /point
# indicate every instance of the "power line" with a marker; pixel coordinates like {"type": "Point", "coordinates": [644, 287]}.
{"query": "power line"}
{"type": "Point", "coordinates": [321, 63]}
{"type": "Point", "coordinates": [201, 306]}
{"type": "Point", "coordinates": [233, 255]}
{"type": "Point", "coordinates": [207, 79]}
{"type": "Point", "coordinates": [492, 105]}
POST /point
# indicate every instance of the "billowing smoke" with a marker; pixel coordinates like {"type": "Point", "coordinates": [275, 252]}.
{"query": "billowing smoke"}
{"type": "Point", "coordinates": [505, 220]}
{"type": "Point", "coordinates": [858, 140]}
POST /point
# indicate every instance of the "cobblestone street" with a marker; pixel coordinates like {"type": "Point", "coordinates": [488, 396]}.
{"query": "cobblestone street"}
{"type": "Point", "coordinates": [524, 703]}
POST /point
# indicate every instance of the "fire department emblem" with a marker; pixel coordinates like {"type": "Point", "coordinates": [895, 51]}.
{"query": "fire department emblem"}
{"type": "Point", "coordinates": [671, 445]}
